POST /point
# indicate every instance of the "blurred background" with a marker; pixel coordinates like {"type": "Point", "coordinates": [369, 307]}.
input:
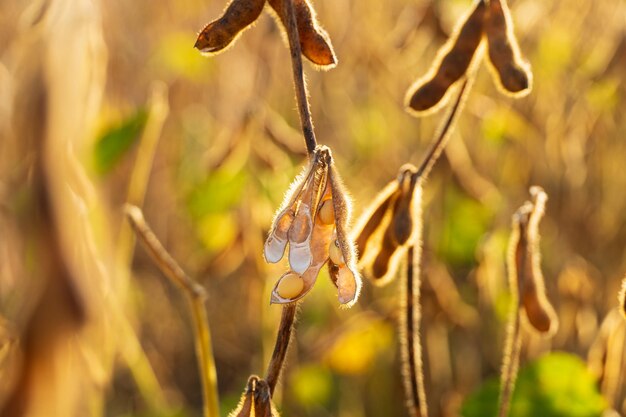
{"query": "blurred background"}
{"type": "Point", "coordinates": [103, 102]}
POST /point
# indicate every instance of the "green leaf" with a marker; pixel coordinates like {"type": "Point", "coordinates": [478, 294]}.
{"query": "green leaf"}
{"type": "Point", "coordinates": [117, 140]}
{"type": "Point", "coordinates": [555, 385]}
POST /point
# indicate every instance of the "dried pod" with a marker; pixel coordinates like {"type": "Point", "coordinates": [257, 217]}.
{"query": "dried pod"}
{"type": "Point", "coordinates": [220, 33]}
{"type": "Point", "coordinates": [428, 92]}
{"type": "Point", "coordinates": [405, 214]}
{"type": "Point", "coordinates": [525, 264]}
{"type": "Point", "coordinates": [349, 281]}
{"type": "Point", "coordinates": [510, 70]}
{"type": "Point", "coordinates": [256, 400]}
{"type": "Point", "coordinates": [396, 221]}
{"type": "Point", "coordinates": [372, 218]}
{"type": "Point", "coordinates": [314, 40]}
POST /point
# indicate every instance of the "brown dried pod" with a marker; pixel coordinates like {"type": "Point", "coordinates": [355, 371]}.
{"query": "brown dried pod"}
{"type": "Point", "coordinates": [372, 218]}
{"type": "Point", "coordinates": [256, 400]}
{"type": "Point", "coordinates": [404, 214]}
{"type": "Point", "coordinates": [528, 277]}
{"type": "Point", "coordinates": [348, 278]}
{"type": "Point", "coordinates": [217, 35]}
{"type": "Point", "coordinates": [512, 73]}
{"type": "Point", "coordinates": [314, 41]}
{"type": "Point", "coordinates": [395, 219]}
{"type": "Point", "coordinates": [428, 93]}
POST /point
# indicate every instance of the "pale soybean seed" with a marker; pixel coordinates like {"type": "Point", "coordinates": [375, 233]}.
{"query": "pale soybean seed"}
{"type": "Point", "coordinates": [335, 254]}
{"type": "Point", "coordinates": [290, 286]}
{"type": "Point", "coordinates": [326, 212]}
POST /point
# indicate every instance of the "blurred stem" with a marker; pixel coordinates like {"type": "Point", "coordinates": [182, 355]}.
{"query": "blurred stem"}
{"type": "Point", "coordinates": [285, 329]}
{"type": "Point", "coordinates": [130, 348]}
{"type": "Point", "coordinates": [446, 128]}
{"type": "Point", "coordinates": [298, 76]}
{"type": "Point", "coordinates": [157, 113]}
{"type": "Point", "coordinates": [411, 345]}
{"type": "Point", "coordinates": [195, 296]}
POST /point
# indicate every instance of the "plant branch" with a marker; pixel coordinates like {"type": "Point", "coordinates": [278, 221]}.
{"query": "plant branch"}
{"type": "Point", "coordinates": [444, 131]}
{"type": "Point", "coordinates": [285, 330]}
{"type": "Point", "coordinates": [298, 76]}
{"type": "Point", "coordinates": [196, 296]}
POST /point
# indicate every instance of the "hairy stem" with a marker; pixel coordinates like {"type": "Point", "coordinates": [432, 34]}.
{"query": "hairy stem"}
{"type": "Point", "coordinates": [411, 345]}
{"type": "Point", "coordinates": [285, 330]}
{"type": "Point", "coordinates": [444, 131]}
{"type": "Point", "coordinates": [298, 76]}
{"type": "Point", "coordinates": [195, 296]}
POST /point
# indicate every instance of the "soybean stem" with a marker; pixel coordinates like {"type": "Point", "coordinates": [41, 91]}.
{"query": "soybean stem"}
{"type": "Point", "coordinates": [444, 132]}
{"type": "Point", "coordinates": [195, 296]}
{"type": "Point", "coordinates": [285, 330]}
{"type": "Point", "coordinates": [411, 346]}
{"type": "Point", "coordinates": [298, 76]}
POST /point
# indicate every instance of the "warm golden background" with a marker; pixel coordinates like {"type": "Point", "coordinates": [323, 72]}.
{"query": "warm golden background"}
{"type": "Point", "coordinates": [85, 84]}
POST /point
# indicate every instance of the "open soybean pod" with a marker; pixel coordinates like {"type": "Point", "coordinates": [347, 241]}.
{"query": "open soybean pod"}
{"type": "Point", "coordinates": [217, 35]}
{"type": "Point", "coordinates": [429, 92]}
{"type": "Point", "coordinates": [512, 73]}
{"type": "Point", "coordinates": [314, 41]}
{"type": "Point", "coordinates": [292, 285]}
{"type": "Point", "coordinates": [343, 268]}
{"type": "Point", "coordinates": [276, 242]}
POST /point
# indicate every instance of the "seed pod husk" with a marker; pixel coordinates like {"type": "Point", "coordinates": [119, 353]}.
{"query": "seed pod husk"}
{"type": "Point", "coordinates": [321, 238]}
{"type": "Point", "coordinates": [349, 279]}
{"type": "Point", "coordinates": [429, 92]}
{"type": "Point", "coordinates": [256, 400]}
{"type": "Point", "coordinates": [525, 252]}
{"type": "Point", "coordinates": [219, 34]}
{"type": "Point", "coordinates": [314, 40]}
{"type": "Point", "coordinates": [278, 237]}
{"type": "Point", "coordinates": [512, 73]}
{"type": "Point", "coordinates": [372, 218]}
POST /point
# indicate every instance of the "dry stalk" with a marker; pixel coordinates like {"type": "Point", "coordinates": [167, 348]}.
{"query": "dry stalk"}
{"type": "Point", "coordinates": [302, 97]}
{"type": "Point", "coordinates": [410, 328]}
{"type": "Point", "coordinates": [195, 296]}
{"type": "Point", "coordinates": [283, 337]}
